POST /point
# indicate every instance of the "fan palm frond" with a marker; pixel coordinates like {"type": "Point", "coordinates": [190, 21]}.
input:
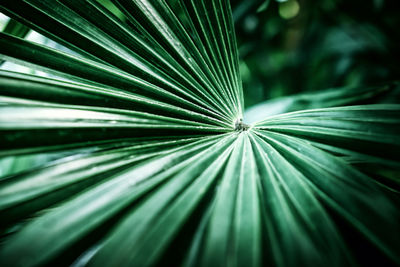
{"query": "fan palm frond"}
{"type": "Point", "coordinates": [133, 152]}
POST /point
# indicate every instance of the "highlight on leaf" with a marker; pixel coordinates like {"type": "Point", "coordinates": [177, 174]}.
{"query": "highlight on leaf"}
{"type": "Point", "coordinates": [132, 149]}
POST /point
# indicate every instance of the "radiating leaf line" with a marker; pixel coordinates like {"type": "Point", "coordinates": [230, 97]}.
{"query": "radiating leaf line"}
{"type": "Point", "coordinates": [197, 11]}
{"type": "Point", "coordinates": [209, 64]}
{"type": "Point", "coordinates": [183, 37]}
{"type": "Point", "coordinates": [158, 25]}
{"type": "Point", "coordinates": [82, 94]}
{"type": "Point", "coordinates": [100, 204]}
{"type": "Point", "coordinates": [247, 229]}
{"type": "Point", "coordinates": [360, 191]}
{"type": "Point", "coordinates": [134, 62]}
{"type": "Point", "coordinates": [87, 69]}
{"type": "Point", "coordinates": [358, 128]}
{"type": "Point", "coordinates": [206, 13]}
{"type": "Point", "coordinates": [304, 220]}
{"type": "Point", "coordinates": [176, 198]}
{"type": "Point", "coordinates": [226, 53]}
{"type": "Point", "coordinates": [323, 99]}
{"type": "Point", "coordinates": [47, 157]}
{"type": "Point", "coordinates": [83, 116]}
{"type": "Point", "coordinates": [135, 153]}
{"type": "Point", "coordinates": [19, 188]}
{"type": "Point", "coordinates": [219, 232]}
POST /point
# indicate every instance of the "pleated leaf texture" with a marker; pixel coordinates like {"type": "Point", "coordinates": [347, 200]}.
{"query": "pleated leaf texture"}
{"type": "Point", "coordinates": [134, 152]}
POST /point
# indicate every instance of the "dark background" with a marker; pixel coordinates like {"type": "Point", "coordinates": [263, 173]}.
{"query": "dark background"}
{"type": "Point", "coordinates": [295, 46]}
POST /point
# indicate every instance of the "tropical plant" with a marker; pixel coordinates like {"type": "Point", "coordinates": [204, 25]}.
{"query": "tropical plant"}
{"type": "Point", "coordinates": [133, 151]}
{"type": "Point", "coordinates": [329, 43]}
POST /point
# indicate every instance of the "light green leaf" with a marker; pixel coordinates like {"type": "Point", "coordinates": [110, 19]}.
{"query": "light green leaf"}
{"type": "Point", "coordinates": [322, 99]}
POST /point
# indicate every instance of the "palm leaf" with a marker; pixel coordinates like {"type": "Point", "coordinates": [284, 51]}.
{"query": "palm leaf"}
{"type": "Point", "coordinates": [13, 27]}
{"type": "Point", "coordinates": [134, 151]}
{"type": "Point", "coordinates": [323, 99]}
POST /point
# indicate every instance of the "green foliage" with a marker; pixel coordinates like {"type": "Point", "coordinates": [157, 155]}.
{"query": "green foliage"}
{"type": "Point", "coordinates": [132, 151]}
{"type": "Point", "coordinates": [329, 43]}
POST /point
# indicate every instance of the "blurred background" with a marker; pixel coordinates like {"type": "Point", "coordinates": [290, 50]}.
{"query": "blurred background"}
{"type": "Point", "coordinates": [295, 46]}
{"type": "Point", "coordinates": [299, 46]}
